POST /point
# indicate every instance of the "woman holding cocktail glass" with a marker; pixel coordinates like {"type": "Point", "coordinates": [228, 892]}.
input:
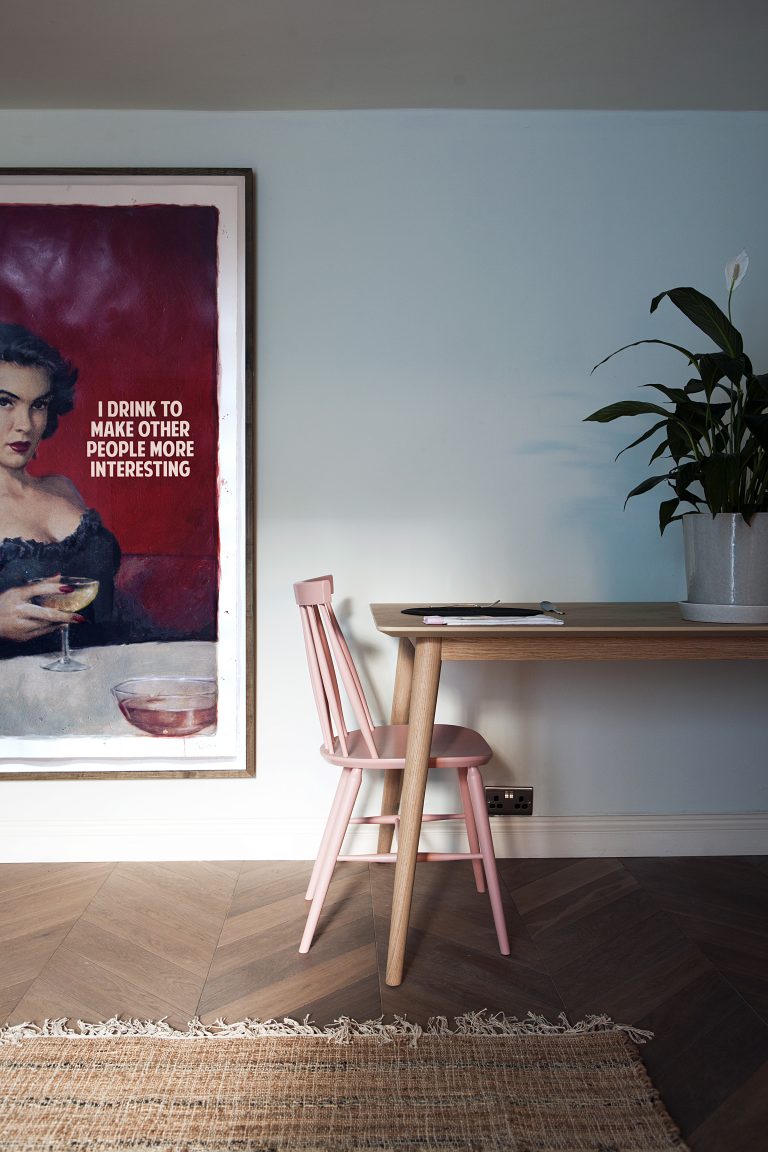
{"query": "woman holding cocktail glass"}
{"type": "Point", "coordinates": [49, 540]}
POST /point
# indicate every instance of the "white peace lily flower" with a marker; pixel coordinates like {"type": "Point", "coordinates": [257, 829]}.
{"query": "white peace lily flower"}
{"type": "Point", "coordinates": [735, 270]}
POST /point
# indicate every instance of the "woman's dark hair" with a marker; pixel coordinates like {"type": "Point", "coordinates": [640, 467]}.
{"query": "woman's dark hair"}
{"type": "Point", "coordinates": [20, 346]}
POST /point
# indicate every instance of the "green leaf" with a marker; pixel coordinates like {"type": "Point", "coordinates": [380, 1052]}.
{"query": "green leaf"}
{"type": "Point", "coordinates": [659, 450]}
{"type": "Point", "coordinates": [690, 356]}
{"type": "Point", "coordinates": [667, 510]}
{"type": "Point", "coordinates": [720, 481]}
{"type": "Point", "coordinates": [676, 395]}
{"type": "Point", "coordinates": [679, 442]}
{"type": "Point", "coordinates": [750, 454]}
{"type": "Point", "coordinates": [755, 408]}
{"type": "Point", "coordinates": [690, 497]}
{"type": "Point", "coordinates": [757, 387]}
{"type": "Point", "coordinates": [713, 366]}
{"type": "Point", "coordinates": [758, 426]}
{"type": "Point", "coordinates": [645, 436]}
{"type": "Point", "coordinates": [646, 486]}
{"type": "Point", "coordinates": [707, 317]}
{"type": "Point", "coordinates": [699, 416]}
{"type": "Point", "coordinates": [626, 408]}
{"type": "Point", "coordinates": [684, 475]}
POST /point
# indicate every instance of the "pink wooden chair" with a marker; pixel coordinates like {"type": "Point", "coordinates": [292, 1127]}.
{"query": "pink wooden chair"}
{"type": "Point", "coordinates": [382, 747]}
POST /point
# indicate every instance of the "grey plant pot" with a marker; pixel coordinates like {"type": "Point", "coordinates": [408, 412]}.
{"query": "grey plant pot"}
{"type": "Point", "coordinates": [726, 564]}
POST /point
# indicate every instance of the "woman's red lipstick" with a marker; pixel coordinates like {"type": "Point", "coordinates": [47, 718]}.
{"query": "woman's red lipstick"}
{"type": "Point", "coordinates": [20, 446]}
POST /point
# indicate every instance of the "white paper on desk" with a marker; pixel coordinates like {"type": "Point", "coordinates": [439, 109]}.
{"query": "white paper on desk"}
{"type": "Point", "coordinates": [491, 620]}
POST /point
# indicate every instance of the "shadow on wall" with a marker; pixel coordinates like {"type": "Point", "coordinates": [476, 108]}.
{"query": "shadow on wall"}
{"type": "Point", "coordinates": [497, 700]}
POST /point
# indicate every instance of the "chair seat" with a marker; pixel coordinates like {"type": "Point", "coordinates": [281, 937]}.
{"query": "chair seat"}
{"type": "Point", "coordinates": [452, 747]}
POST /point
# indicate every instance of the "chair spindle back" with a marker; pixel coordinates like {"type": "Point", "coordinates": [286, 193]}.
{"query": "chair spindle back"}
{"type": "Point", "coordinates": [329, 659]}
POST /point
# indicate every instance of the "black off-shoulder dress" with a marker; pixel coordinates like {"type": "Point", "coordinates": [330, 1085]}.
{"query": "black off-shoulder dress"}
{"type": "Point", "coordinates": [91, 550]}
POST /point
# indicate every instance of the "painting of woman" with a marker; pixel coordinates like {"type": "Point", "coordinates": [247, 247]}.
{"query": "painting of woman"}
{"type": "Point", "coordinates": [46, 530]}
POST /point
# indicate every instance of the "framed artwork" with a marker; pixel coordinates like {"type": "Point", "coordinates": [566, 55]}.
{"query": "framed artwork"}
{"type": "Point", "coordinates": [126, 473]}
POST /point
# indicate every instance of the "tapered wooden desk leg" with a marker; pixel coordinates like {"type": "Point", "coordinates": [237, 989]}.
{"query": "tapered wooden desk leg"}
{"type": "Point", "coordinates": [401, 705]}
{"type": "Point", "coordinates": [426, 678]}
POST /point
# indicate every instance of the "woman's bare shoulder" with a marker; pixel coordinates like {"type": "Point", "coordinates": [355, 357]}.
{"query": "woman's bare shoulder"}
{"type": "Point", "coordinates": [62, 486]}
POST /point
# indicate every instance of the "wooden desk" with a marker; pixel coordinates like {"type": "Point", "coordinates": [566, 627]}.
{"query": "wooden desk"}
{"type": "Point", "coordinates": [590, 632]}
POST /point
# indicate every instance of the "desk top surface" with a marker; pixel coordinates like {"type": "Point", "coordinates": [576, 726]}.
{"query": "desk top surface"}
{"type": "Point", "coordinates": [619, 619]}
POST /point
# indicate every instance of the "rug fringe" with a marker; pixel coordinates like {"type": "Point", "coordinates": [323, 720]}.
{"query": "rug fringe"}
{"type": "Point", "coordinates": [342, 1031]}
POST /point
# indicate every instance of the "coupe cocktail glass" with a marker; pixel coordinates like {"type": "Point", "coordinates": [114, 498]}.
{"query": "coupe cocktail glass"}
{"type": "Point", "coordinates": [83, 591]}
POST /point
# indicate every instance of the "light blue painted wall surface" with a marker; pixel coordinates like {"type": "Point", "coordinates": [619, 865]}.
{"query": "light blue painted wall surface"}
{"type": "Point", "coordinates": [433, 290]}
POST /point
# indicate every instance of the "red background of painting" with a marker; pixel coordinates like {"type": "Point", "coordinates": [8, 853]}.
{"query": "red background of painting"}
{"type": "Point", "coordinates": [128, 294]}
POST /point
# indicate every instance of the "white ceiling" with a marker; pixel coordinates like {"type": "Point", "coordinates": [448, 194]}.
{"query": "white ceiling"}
{"type": "Point", "coordinates": [290, 54]}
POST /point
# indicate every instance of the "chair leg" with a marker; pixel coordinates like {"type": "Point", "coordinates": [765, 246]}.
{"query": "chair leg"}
{"type": "Point", "coordinates": [352, 778]}
{"type": "Point", "coordinates": [469, 820]}
{"type": "Point", "coordinates": [477, 795]}
{"type": "Point", "coordinates": [327, 833]}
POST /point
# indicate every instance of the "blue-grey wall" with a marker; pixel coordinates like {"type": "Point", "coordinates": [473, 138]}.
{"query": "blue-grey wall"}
{"type": "Point", "coordinates": [433, 290]}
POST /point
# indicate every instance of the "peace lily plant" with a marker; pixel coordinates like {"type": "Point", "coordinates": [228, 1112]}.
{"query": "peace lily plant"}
{"type": "Point", "coordinates": [714, 429]}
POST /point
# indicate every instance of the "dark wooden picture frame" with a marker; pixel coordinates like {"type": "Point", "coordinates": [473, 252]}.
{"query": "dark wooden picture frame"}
{"type": "Point", "coordinates": [143, 280]}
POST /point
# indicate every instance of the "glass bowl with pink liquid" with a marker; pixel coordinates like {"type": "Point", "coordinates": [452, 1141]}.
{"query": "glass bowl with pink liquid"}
{"type": "Point", "coordinates": [168, 705]}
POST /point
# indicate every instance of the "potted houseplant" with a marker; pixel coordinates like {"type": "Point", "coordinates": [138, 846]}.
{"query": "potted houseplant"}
{"type": "Point", "coordinates": [713, 443]}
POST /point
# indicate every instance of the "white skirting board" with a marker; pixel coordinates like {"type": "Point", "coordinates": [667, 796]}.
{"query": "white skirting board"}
{"type": "Point", "coordinates": [239, 838]}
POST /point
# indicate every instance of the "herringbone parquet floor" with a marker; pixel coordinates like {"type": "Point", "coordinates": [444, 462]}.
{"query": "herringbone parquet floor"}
{"type": "Point", "coordinates": [679, 946]}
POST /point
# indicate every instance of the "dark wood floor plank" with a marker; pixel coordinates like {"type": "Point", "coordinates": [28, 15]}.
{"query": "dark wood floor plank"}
{"type": "Point", "coordinates": [287, 987]}
{"type": "Point", "coordinates": [257, 969]}
{"type": "Point", "coordinates": [47, 899]}
{"type": "Point", "coordinates": [261, 882]}
{"type": "Point", "coordinates": [570, 925]}
{"type": "Point", "coordinates": [743, 961]}
{"type": "Point", "coordinates": [677, 946]}
{"type": "Point", "coordinates": [739, 1123]}
{"type": "Point", "coordinates": [39, 904]}
{"type": "Point", "coordinates": [10, 997]}
{"type": "Point", "coordinates": [142, 909]}
{"type": "Point", "coordinates": [358, 1000]}
{"type": "Point", "coordinates": [28, 879]}
{"type": "Point", "coordinates": [564, 882]}
{"type": "Point", "coordinates": [714, 1066]}
{"type": "Point", "coordinates": [519, 871]}
{"type": "Point", "coordinates": [129, 961]}
{"type": "Point", "coordinates": [680, 1022]}
{"type": "Point", "coordinates": [77, 987]}
{"type": "Point", "coordinates": [722, 905]}
{"type": "Point", "coordinates": [729, 893]}
{"type": "Point", "coordinates": [629, 974]}
{"type": "Point", "coordinates": [453, 963]}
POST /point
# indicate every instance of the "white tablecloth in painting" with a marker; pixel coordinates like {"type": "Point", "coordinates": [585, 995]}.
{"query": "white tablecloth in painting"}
{"type": "Point", "coordinates": [34, 702]}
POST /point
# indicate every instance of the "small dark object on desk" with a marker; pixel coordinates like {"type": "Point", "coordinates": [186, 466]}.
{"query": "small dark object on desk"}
{"type": "Point", "coordinates": [472, 610]}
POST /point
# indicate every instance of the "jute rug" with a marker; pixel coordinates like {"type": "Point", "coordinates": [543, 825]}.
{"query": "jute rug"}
{"type": "Point", "coordinates": [483, 1083]}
